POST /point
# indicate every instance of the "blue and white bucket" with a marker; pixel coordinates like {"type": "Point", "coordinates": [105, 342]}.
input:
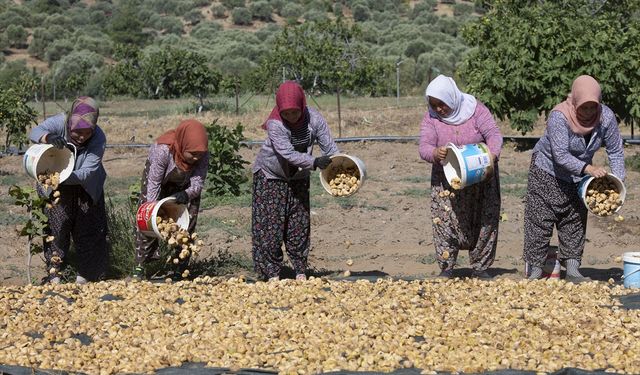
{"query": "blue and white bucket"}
{"type": "Point", "coordinates": [468, 163]}
{"type": "Point", "coordinates": [631, 270]}
{"type": "Point", "coordinates": [583, 187]}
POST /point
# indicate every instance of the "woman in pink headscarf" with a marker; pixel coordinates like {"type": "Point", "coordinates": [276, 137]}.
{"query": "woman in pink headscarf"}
{"type": "Point", "coordinates": [80, 212]}
{"type": "Point", "coordinates": [280, 208]}
{"type": "Point", "coordinates": [576, 129]}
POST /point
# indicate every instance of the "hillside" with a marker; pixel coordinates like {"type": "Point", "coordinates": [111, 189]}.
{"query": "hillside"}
{"type": "Point", "coordinates": [233, 34]}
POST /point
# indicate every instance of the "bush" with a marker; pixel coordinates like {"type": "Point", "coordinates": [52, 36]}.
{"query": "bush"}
{"type": "Point", "coordinates": [241, 16]}
{"type": "Point", "coordinates": [633, 162]}
{"type": "Point", "coordinates": [11, 18]}
{"type": "Point", "coordinates": [292, 11]}
{"type": "Point", "coordinates": [206, 30]}
{"type": "Point", "coordinates": [194, 16]}
{"type": "Point", "coordinates": [337, 10]}
{"type": "Point", "coordinates": [17, 36]}
{"type": "Point", "coordinates": [169, 25]}
{"type": "Point", "coordinates": [268, 32]}
{"type": "Point", "coordinates": [4, 43]}
{"type": "Point", "coordinates": [461, 9]}
{"type": "Point", "coordinates": [315, 15]}
{"type": "Point", "coordinates": [277, 6]}
{"type": "Point", "coordinates": [261, 10]}
{"type": "Point", "coordinates": [226, 171]}
{"type": "Point", "coordinates": [58, 49]}
{"type": "Point", "coordinates": [361, 13]}
{"type": "Point", "coordinates": [121, 238]}
{"type": "Point", "coordinates": [219, 11]}
{"type": "Point", "coordinates": [73, 71]}
{"type": "Point", "coordinates": [232, 4]}
{"type": "Point", "coordinates": [58, 20]}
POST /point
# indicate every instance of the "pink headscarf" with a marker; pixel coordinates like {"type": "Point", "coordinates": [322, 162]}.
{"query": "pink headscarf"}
{"type": "Point", "coordinates": [584, 89]}
{"type": "Point", "coordinates": [289, 96]}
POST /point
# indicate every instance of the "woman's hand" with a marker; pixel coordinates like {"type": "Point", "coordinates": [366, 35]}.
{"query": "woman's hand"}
{"type": "Point", "coordinates": [595, 171]}
{"type": "Point", "coordinates": [439, 153]}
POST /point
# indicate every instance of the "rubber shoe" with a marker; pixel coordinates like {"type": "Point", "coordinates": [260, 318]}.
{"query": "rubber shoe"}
{"type": "Point", "coordinates": [577, 279]}
{"type": "Point", "coordinates": [301, 277]}
{"type": "Point", "coordinates": [446, 274]}
{"type": "Point", "coordinates": [483, 275]}
{"type": "Point", "coordinates": [138, 273]}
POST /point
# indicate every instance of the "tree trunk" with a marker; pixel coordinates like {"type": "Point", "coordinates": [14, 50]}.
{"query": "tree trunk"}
{"type": "Point", "coordinates": [237, 89]}
{"type": "Point", "coordinates": [339, 114]}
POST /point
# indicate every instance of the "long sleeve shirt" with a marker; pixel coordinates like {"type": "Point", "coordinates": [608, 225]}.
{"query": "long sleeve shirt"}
{"type": "Point", "coordinates": [88, 171]}
{"type": "Point", "coordinates": [481, 127]}
{"type": "Point", "coordinates": [163, 169]}
{"type": "Point", "coordinates": [277, 156]}
{"type": "Point", "coordinates": [564, 154]}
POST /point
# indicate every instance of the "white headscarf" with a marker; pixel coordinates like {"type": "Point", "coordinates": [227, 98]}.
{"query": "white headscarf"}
{"type": "Point", "coordinates": [463, 105]}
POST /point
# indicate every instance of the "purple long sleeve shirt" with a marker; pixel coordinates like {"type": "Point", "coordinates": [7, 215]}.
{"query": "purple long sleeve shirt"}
{"type": "Point", "coordinates": [481, 127]}
{"type": "Point", "coordinates": [564, 154]}
{"type": "Point", "coordinates": [277, 154]}
{"type": "Point", "coordinates": [162, 164]}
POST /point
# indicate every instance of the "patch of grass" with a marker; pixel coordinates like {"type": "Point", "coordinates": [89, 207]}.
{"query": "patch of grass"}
{"type": "Point", "coordinates": [13, 219]}
{"type": "Point", "coordinates": [428, 259]}
{"type": "Point", "coordinates": [633, 162]}
{"type": "Point", "coordinates": [231, 226]}
{"type": "Point", "coordinates": [353, 202]}
{"type": "Point", "coordinates": [415, 192]}
{"type": "Point", "coordinates": [223, 263]}
{"type": "Point", "coordinates": [11, 179]}
{"type": "Point", "coordinates": [514, 184]}
{"type": "Point", "coordinates": [415, 179]}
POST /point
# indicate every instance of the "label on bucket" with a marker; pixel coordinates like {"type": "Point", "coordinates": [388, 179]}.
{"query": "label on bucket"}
{"type": "Point", "coordinates": [476, 160]}
{"type": "Point", "coordinates": [144, 216]}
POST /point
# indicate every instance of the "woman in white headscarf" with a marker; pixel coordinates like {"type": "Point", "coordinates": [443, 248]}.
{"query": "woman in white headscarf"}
{"type": "Point", "coordinates": [467, 218]}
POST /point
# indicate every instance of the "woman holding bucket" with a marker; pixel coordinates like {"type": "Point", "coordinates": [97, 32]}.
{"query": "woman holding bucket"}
{"type": "Point", "coordinates": [80, 212]}
{"type": "Point", "coordinates": [467, 218]}
{"type": "Point", "coordinates": [280, 208]}
{"type": "Point", "coordinates": [176, 166]}
{"type": "Point", "coordinates": [576, 129]}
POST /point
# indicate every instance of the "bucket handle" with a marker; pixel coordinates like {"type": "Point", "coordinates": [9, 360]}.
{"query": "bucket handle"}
{"type": "Point", "coordinates": [75, 152]}
{"type": "Point", "coordinates": [623, 276]}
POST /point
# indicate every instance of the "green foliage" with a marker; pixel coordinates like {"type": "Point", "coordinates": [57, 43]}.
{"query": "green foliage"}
{"type": "Point", "coordinates": [17, 36]}
{"type": "Point", "coordinates": [4, 43]}
{"type": "Point", "coordinates": [415, 49]}
{"type": "Point", "coordinates": [226, 167]}
{"type": "Point", "coordinates": [193, 16]}
{"type": "Point", "coordinates": [121, 238]}
{"type": "Point", "coordinates": [632, 162]}
{"type": "Point", "coordinates": [74, 70]}
{"type": "Point", "coordinates": [361, 13]}
{"type": "Point", "coordinates": [219, 11]}
{"type": "Point", "coordinates": [528, 56]}
{"type": "Point", "coordinates": [164, 73]}
{"type": "Point", "coordinates": [37, 224]}
{"type": "Point", "coordinates": [462, 9]}
{"type": "Point", "coordinates": [261, 10]}
{"type": "Point", "coordinates": [58, 49]}
{"type": "Point", "coordinates": [15, 113]}
{"type": "Point", "coordinates": [126, 27]}
{"type": "Point", "coordinates": [292, 11]}
{"type": "Point", "coordinates": [169, 25]}
{"type": "Point", "coordinates": [325, 57]}
{"type": "Point", "coordinates": [241, 16]}
{"type": "Point", "coordinates": [231, 4]}
{"type": "Point", "coordinates": [206, 30]}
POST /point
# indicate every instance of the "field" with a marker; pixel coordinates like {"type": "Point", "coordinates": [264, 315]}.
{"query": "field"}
{"type": "Point", "coordinates": [385, 229]}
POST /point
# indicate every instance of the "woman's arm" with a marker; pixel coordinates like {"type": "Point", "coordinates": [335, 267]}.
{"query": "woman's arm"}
{"type": "Point", "coordinates": [325, 140]}
{"type": "Point", "coordinates": [490, 131]}
{"type": "Point", "coordinates": [52, 125]}
{"type": "Point", "coordinates": [159, 156]}
{"type": "Point", "coordinates": [428, 139]}
{"type": "Point", "coordinates": [280, 140]}
{"type": "Point", "coordinates": [198, 177]}
{"type": "Point", "coordinates": [558, 134]}
{"type": "Point", "coordinates": [615, 149]}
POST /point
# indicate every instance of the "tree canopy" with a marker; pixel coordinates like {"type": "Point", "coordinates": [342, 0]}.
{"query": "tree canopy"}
{"type": "Point", "coordinates": [529, 52]}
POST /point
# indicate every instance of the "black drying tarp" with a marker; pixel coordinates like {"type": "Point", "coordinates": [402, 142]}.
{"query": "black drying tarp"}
{"type": "Point", "coordinates": [631, 301]}
{"type": "Point", "coordinates": [200, 369]}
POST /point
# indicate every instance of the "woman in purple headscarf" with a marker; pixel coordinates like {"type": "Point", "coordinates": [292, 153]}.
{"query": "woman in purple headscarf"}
{"type": "Point", "coordinates": [80, 212]}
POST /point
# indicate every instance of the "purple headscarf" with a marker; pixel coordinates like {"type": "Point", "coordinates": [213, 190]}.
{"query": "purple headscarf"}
{"type": "Point", "coordinates": [84, 114]}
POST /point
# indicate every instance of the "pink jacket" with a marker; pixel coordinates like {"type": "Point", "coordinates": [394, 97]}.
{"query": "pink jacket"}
{"type": "Point", "coordinates": [481, 127]}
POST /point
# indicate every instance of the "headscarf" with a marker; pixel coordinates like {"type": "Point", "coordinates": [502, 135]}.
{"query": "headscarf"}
{"type": "Point", "coordinates": [584, 89]}
{"type": "Point", "coordinates": [189, 136]}
{"type": "Point", "coordinates": [462, 105]}
{"type": "Point", "coordinates": [83, 115]}
{"type": "Point", "coordinates": [289, 96]}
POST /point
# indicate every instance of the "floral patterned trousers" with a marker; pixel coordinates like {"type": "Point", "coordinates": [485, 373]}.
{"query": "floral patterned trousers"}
{"type": "Point", "coordinates": [280, 213]}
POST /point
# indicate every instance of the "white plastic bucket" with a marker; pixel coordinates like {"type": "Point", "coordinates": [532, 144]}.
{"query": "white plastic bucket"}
{"type": "Point", "coordinates": [468, 163]}
{"type": "Point", "coordinates": [583, 187]}
{"type": "Point", "coordinates": [40, 158]}
{"type": "Point", "coordinates": [631, 270]}
{"type": "Point", "coordinates": [341, 161]}
{"type": "Point", "coordinates": [165, 208]}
